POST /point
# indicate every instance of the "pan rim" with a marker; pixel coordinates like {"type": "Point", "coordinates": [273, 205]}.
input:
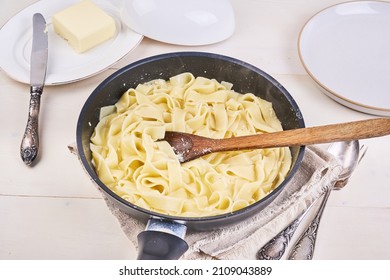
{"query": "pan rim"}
{"type": "Point", "coordinates": [182, 219]}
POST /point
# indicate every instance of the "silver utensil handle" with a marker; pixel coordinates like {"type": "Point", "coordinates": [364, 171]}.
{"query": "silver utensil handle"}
{"type": "Point", "coordinates": [276, 247]}
{"type": "Point", "coordinates": [30, 141]}
{"type": "Point", "coordinates": [304, 247]}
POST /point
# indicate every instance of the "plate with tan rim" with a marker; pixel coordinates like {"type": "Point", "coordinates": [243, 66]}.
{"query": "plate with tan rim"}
{"type": "Point", "coordinates": [345, 48]}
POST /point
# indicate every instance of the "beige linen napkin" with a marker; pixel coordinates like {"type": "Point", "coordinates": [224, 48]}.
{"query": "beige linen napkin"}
{"type": "Point", "coordinates": [242, 241]}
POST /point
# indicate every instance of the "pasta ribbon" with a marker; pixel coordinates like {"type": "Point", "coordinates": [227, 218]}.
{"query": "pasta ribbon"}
{"type": "Point", "coordinates": [129, 160]}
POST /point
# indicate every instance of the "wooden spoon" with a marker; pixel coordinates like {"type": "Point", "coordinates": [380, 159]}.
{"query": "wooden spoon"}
{"type": "Point", "coordinates": [188, 146]}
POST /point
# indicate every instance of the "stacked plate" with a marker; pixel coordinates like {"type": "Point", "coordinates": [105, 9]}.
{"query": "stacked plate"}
{"type": "Point", "coordinates": [346, 50]}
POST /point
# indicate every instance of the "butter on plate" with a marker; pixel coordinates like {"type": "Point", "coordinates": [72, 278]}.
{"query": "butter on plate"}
{"type": "Point", "coordinates": [84, 25]}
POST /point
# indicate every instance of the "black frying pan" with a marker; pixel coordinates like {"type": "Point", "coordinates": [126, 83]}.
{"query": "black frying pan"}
{"type": "Point", "coordinates": [164, 234]}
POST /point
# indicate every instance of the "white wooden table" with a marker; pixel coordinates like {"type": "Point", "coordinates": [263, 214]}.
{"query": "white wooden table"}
{"type": "Point", "coordinates": [51, 211]}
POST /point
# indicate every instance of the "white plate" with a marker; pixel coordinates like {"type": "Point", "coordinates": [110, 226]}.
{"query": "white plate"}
{"type": "Point", "coordinates": [64, 64]}
{"type": "Point", "coordinates": [346, 50]}
{"type": "Point", "coordinates": [188, 23]}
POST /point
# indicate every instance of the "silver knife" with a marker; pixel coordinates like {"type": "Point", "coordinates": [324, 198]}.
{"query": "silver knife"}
{"type": "Point", "coordinates": [39, 54]}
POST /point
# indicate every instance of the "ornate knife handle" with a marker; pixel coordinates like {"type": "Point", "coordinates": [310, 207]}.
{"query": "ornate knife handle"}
{"type": "Point", "coordinates": [304, 247]}
{"type": "Point", "coordinates": [30, 141]}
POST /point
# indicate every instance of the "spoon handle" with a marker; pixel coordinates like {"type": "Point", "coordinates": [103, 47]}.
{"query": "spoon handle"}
{"type": "Point", "coordinates": [308, 136]}
{"type": "Point", "coordinates": [30, 141]}
{"type": "Point", "coordinates": [276, 247]}
{"type": "Point", "coordinates": [304, 247]}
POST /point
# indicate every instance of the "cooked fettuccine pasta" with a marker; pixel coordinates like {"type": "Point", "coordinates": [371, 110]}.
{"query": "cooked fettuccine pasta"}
{"type": "Point", "coordinates": [147, 173]}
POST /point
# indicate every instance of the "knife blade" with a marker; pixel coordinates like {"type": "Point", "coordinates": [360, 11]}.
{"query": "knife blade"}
{"type": "Point", "coordinates": [38, 65]}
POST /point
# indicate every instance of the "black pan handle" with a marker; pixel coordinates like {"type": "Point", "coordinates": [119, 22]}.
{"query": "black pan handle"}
{"type": "Point", "coordinates": [157, 245]}
{"type": "Point", "coordinates": [162, 240]}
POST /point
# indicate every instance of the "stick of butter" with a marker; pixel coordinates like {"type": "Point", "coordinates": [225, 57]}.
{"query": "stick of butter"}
{"type": "Point", "coordinates": [84, 25]}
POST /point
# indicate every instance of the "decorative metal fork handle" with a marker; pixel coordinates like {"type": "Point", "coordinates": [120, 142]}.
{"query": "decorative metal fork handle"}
{"type": "Point", "coordinates": [30, 141]}
{"type": "Point", "coordinates": [277, 246]}
{"type": "Point", "coordinates": [304, 247]}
